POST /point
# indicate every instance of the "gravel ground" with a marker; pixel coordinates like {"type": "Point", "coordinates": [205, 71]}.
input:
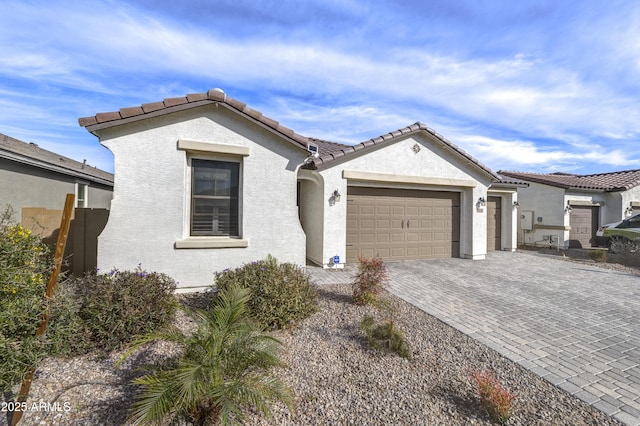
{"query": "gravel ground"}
{"type": "Point", "coordinates": [336, 377]}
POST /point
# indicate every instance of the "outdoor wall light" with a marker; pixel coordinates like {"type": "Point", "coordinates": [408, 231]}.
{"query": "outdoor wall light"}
{"type": "Point", "coordinates": [568, 208]}
{"type": "Point", "coordinates": [482, 202]}
{"type": "Point", "coordinates": [628, 211]}
{"type": "Point", "coordinates": [336, 196]}
{"type": "Point", "coordinates": [516, 204]}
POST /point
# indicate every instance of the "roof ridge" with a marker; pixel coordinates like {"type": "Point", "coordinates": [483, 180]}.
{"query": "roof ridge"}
{"type": "Point", "coordinates": [332, 150]}
{"type": "Point", "coordinates": [608, 181]}
{"type": "Point", "coordinates": [33, 151]}
{"type": "Point", "coordinates": [394, 135]}
{"type": "Point", "coordinates": [125, 115]}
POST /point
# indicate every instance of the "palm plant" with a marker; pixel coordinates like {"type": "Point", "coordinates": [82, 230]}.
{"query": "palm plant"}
{"type": "Point", "coordinates": [223, 369]}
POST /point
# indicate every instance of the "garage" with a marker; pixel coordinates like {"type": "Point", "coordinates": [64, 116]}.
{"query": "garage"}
{"type": "Point", "coordinates": [584, 224]}
{"type": "Point", "coordinates": [397, 224]}
{"type": "Point", "coordinates": [494, 223]}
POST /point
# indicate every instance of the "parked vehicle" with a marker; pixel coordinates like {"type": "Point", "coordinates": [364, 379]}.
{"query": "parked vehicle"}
{"type": "Point", "coordinates": [625, 230]}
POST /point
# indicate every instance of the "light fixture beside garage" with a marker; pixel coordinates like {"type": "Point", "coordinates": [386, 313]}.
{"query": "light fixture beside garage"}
{"type": "Point", "coordinates": [482, 202]}
{"type": "Point", "coordinates": [568, 208]}
{"type": "Point", "coordinates": [516, 204]}
{"type": "Point", "coordinates": [336, 196]}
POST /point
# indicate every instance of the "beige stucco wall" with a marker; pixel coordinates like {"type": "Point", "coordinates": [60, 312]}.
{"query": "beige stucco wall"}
{"type": "Point", "coordinates": [29, 189]}
{"type": "Point", "coordinates": [402, 167]}
{"type": "Point", "coordinates": [150, 208]}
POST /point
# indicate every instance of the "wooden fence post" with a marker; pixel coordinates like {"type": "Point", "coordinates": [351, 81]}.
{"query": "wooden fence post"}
{"type": "Point", "coordinates": [51, 285]}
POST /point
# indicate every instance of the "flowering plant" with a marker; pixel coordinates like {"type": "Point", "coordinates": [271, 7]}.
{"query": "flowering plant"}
{"type": "Point", "coordinates": [496, 399]}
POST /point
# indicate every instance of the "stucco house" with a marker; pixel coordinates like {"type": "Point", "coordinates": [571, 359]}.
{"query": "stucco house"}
{"type": "Point", "coordinates": [567, 209]}
{"type": "Point", "coordinates": [203, 183]}
{"type": "Point", "coordinates": [34, 182]}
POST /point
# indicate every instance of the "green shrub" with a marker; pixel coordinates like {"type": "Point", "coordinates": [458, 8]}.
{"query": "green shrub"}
{"type": "Point", "coordinates": [598, 255]}
{"type": "Point", "coordinates": [281, 293]}
{"type": "Point", "coordinates": [223, 369]}
{"type": "Point", "coordinates": [25, 265]}
{"type": "Point", "coordinates": [496, 400]}
{"type": "Point", "coordinates": [105, 311]}
{"type": "Point", "coordinates": [385, 336]}
{"type": "Point", "coordinates": [370, 281]}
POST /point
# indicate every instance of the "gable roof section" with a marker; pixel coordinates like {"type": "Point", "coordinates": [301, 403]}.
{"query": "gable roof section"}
{"type": "Point", "coordinates": [607, 182]}
{"type": "Point", "coordinates": [103, 120]}
{"type": "Point", "coordinates": [331, 151]}
{"type": "Point", "coordinates": [31, 154]}
{"type": "Point", "coordinates": [328, 151]}
{"type": "Point", "coordinates": [509, 181]}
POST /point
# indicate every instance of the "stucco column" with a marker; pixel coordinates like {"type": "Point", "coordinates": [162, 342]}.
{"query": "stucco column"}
{"type": "Point", "coordinates": [335, 222]}
{"type": "Point", "coordinates": [477, 238]}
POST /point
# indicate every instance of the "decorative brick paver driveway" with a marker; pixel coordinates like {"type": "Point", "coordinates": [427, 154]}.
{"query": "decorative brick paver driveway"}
{"type": "Point", "coordinates": [576, 325]}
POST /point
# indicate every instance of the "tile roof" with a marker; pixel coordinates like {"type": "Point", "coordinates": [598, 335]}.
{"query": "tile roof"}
{"type": "Point", "coordinates": [328, 151]}
{"type": "Point", "coordinates": [30, 153]}
{"type": "Point", "coordinates": [104, 120]}
{"type": "Point", "coordinates": [608, 182]}
{"type": "Point", "coordinates": [506, 180]}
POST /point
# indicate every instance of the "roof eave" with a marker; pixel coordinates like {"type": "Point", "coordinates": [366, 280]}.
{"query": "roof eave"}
{"type": "Point", "coordinates": [329, 160]}
{"type": "Point", "coordinates": [231, 105]}
{"type": "Point", "coordinates": [54, 168]}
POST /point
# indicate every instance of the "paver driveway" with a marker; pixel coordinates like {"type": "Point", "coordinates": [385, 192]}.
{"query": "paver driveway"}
{"type": "Point", "coordinates": [576, 325]}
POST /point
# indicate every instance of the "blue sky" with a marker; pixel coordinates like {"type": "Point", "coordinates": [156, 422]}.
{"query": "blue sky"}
{"type": "Point", "coordinates": [521, 85]}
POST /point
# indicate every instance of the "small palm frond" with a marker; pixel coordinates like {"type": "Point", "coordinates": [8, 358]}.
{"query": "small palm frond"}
{"type": "Point", "coordinates": [156, 404]}
{"type": "Point", "coordinates": [223, 369]}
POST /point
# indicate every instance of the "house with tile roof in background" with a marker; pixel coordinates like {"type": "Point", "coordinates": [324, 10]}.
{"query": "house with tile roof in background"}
{"type": "Point", "coordinates": [566, 210]}
{"type": "Point", "coordinates": [204, 183]}
{"type": "Point", "coordinates": [34, 183]}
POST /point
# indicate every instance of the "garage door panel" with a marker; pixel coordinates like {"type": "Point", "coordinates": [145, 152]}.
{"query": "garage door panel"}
{"type": "Point", "coordinates": [409, 224]}
{"type": "Point", "coordinates": [383, 209]}
{"type": "Point", "coordinates": [367, 209]}
{"type": "Point", "coordinates": [367, 224]}
{"type": "Point", "coordinates": [583, 221]}
{"type": "Point", "coordinates": [383, 238]}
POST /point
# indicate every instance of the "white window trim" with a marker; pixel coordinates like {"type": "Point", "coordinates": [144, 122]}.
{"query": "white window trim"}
{"type": "Point", "coordinates": [82, 184]}
{"type": "Point", "coordinates": [211, 152]}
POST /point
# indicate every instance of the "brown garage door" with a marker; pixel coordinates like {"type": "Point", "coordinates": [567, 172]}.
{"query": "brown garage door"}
{"type": "Point", "coordinates": [396, 224]}
{"type": "Point", "coordinates": [584, 224]}
{"type": "Point", "coordinates": [494, 223]}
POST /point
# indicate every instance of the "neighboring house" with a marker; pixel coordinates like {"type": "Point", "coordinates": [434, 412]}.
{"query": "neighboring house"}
{"type": "Point", "coordinates": [567, 209]}
{"type": "Point", "coordinates": [34, 182]}
{"type": "Point", "coordinates": [203, 183]}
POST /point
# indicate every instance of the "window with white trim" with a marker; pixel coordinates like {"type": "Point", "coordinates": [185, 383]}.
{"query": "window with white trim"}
{"type": "Point", "coordinates": [215, 192]}
{"type": "Point", "coordinates": [82, 190]}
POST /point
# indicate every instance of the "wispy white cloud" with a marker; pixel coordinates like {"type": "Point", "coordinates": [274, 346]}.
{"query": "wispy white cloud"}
{"type": "Point", "coordinates": [526, 155]}
{"type": "Point", "coordinates": [345, 84]}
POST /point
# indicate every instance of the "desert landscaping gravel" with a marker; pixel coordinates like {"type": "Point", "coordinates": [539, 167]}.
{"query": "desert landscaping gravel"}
{"type": "Point", "coordinates": [336, 377]}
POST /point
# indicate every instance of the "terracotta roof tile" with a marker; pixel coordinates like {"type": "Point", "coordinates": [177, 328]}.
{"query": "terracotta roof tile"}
{"type": "Point", "coordinates": [87, 121]}
{"type": "Point", "coordinates": [328, 151]}
{"type": "Point", "coordinates": [506, 180]}
{"type": "Point", "coordinates": [131, 112]}
{"type": "Point", "coordinates": [235, 103]}
{"type": "Point", "coordinates": [194, 97]}
{"type": "Point", "coordinates": [153, 106]}
{"type": "Point", "coordinates": [608, 182]}
{"type": "Point", "coordinates": [169, 102]}
{"type": "Point", "coordinates": [253, 113]}
{"type": "Point", "coordinates": [102, 117]}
